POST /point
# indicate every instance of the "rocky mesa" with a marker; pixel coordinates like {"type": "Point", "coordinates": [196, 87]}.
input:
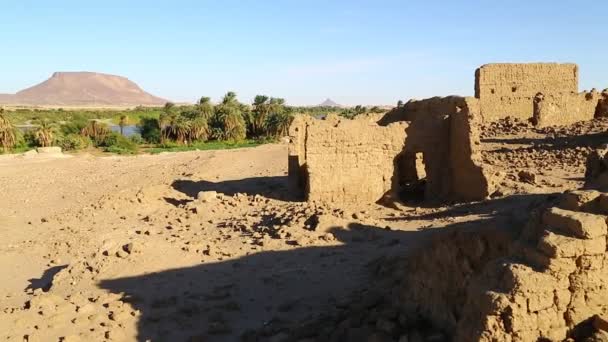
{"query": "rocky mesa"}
{"type": "Point", "coordinates": [83, 89]}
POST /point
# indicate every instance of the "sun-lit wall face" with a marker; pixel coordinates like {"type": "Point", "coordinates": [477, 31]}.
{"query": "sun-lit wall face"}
{"type": "Point", "coordinates": [509, 89]}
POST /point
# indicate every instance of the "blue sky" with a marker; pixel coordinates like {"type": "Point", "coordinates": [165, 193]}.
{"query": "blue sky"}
{"type": "Point", "coordinates": [355, 52]}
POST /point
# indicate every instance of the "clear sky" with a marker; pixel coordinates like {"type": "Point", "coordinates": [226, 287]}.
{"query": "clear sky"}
{"type": "Point", "coordinates": [355, 52]}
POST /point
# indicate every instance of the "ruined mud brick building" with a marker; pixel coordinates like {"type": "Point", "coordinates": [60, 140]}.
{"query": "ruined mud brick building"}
{"type": "Point", "coordinates": [546, 92]}
{"type": "Point", "coordinates": [339, 160]}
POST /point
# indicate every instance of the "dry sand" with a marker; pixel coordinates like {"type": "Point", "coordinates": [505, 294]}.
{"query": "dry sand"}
{"type": "Point", "coordinates": [125, 248]}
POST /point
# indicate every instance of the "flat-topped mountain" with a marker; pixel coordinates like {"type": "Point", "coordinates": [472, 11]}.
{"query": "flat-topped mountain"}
{"type": "Point", "coordinates": [83, 89]}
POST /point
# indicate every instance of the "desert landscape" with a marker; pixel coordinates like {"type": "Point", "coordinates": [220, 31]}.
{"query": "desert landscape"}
{"type": "Point", "coordinates": [444, 219]}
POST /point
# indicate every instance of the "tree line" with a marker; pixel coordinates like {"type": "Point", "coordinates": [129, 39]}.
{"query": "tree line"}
{"type": "Point", "coordinates": [229, 120]}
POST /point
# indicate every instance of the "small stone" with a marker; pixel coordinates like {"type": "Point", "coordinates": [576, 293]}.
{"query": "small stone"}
{"type": "Point", "coordinates": [207, 196]}
{"type": "Point", "coordinates": [526, 177]}
{"type": "Point", "coordinates": [70, 338]}
{"type": "Point", "coordinates": [122, 254]}
{"type": "Point", "coordinates": [128, 248]}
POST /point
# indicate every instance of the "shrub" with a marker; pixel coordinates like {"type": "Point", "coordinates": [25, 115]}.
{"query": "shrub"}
{"type": "Point", "coordinates": [136, 138]}
{"type": "Point", "coordinates": [150, 130]}
{"type": "Point", "coordinates": [117, 143]}
{"type": "Point", "coordinates": [73, 127]}
{"type": "Point", "coordinates": [72, 142]}
{"type": "Point", "coordinates": [29, 139]}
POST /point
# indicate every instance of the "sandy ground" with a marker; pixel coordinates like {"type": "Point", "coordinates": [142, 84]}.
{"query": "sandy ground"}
{"type": "Point", "coordinates": [247, 257]}
{"type": "Point", "coordinates": [125, 249]}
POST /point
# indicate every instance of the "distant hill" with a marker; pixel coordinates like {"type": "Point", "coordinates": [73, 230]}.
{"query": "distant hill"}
{"type": "Point", "coordinates": [83, 89]}
{"type": "Point", "coordinates": [328, 103]}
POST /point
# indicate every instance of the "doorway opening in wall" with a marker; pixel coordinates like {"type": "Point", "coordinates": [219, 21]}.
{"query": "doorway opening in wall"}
{"type": "Point", "coordinates": [411, 177]}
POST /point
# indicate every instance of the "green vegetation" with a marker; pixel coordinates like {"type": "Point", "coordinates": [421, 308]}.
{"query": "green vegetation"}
{"type": "Point", "coordinates": [118, 143]}
{"type": "Point", "coordinates": [358, 110]}
{"type": "Point", "coordinates": [61, 116]}
{"type": "Point", "coordinates": [211, 145]}
{"type": "Point", "coordinates": [74, 142]}
{"type": "Point", "coordinates": [203, 126]}
{"type": "Point", "coordinates": [45, 133]}
{"type": "Point", "coordinates": [8, 133]}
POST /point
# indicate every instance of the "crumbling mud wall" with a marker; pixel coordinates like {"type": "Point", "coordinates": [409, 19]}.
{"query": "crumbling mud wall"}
{"type": "Point", "coordinates": [344, 161]}
{"type": "Point", "coordinates": [338, 160]}
{"type": "Point", "coordinates": [547, 284]}
{"type": "Point", "coordinates": [596, 169]}
{"type": "Point", "coordinates": [509, 89]}
{"type": "Point", "coordinates": [438, 276]}
{"type": "Point", "coordinates": [444, 130]}
{"type": "Point", "coordinates": [296, 163]}
{"type": "Point", "coordinates": [421, 109]}
{"type": "Point", "coordinates": [552, 284]}
{"type": "Point", "coordinates": [565, 109]}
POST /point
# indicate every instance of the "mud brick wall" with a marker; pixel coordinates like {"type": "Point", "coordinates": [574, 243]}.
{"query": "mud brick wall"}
{"type": "Point", "coordinates": [554, 281]}
{"type": "Point", "coordinates": [419, 109]}
{"type": "Point", "coordinates": [445, 131]}
{"type": "Point", "coordinates": [565, 109]}
{"type": "Point", "coordinates": [509, 89]}
{"type": "Point", "coordinates": [345, 161]}
{"type": "Point", "coordinates": [337, 160]}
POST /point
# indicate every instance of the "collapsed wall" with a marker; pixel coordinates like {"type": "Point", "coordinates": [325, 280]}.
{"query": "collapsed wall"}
{"type": "Point", "coordinates": [343, 161]}
{"type": "Point", "coordinates": [420, 109]}
{"type": "Point", "coordinates": [548, 284]}
{"type": "Point", "coordinates": [509, 89]}
{"type": "Point", "coordinates": [566, 109]}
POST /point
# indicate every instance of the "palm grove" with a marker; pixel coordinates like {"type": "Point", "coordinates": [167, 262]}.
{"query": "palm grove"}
{"type": "Point", "coordinates": [227, 121]}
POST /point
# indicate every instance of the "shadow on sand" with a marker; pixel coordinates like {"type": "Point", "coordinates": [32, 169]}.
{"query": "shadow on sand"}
{"type": "Point", "coordinates": [270, 187]}
{"type": "Point", "coordinates": [269, 290]}
{"type": "Point", "coordinates": [219, 301]}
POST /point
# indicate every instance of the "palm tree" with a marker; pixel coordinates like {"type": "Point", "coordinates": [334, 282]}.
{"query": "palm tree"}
{"type": "Point", "coordinates": [360, 109]}
{"type": "Point", "coordinates": [205, 107]}
{"type": "Point", "coordinates": [229, 123]}
{"type": "Point", "coordinates": [278, 123]}
{"type": "Point", "coordinates": [261, 108]}
{"type": "Point", "coordinates": [230, 98]}
{"type": "Point", "coordinates": [165, 121]}
{"type": "Point", "coordinates": [95, 130]}
{"type": "Point", "coordinates": [8, 133]}
{"type": "Point", "coordinates": [124, 121]}
{"type": "Point", "coordinates": [199, 130]}
{"type": "Point", "coordinates": [203, 100]}
{"type": "Point", "coordinates": [169, 106]}
{"type": "Point", "coordinates": [45, 133]}
{"type": "Point", "coordinates": [180, 129]}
